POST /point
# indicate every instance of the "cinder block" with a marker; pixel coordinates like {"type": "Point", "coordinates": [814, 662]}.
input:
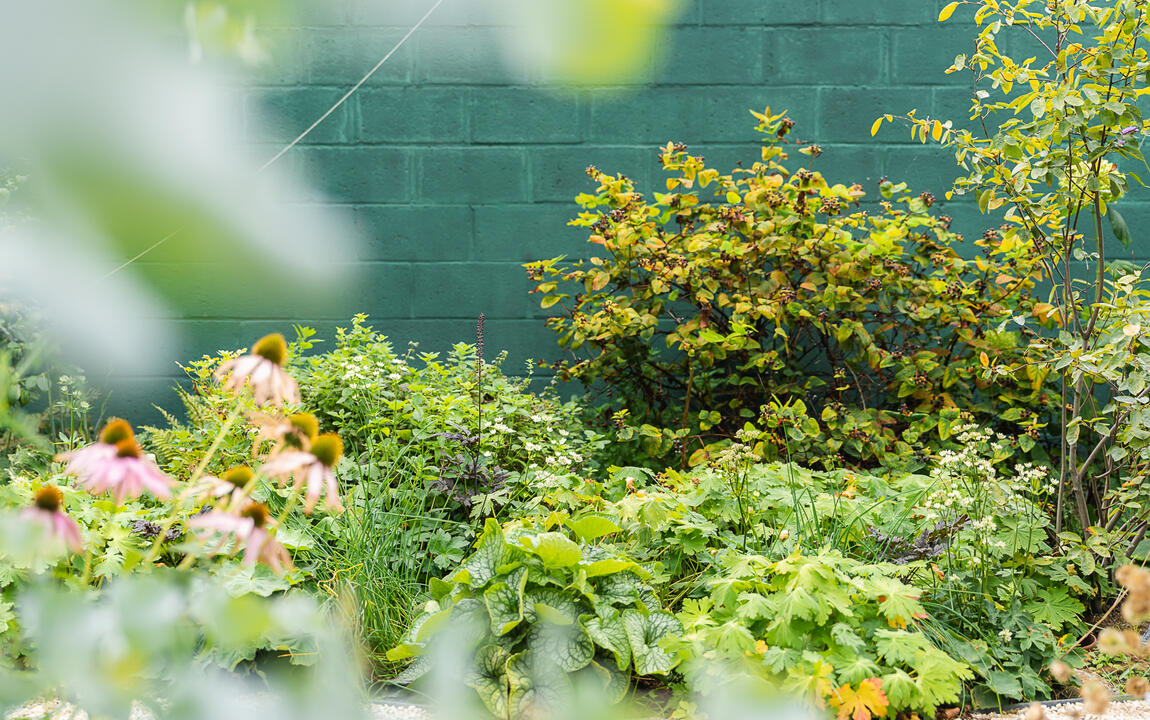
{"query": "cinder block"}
{"type": "Point", "coordinates": [709, 56]}
{"type": "Point", "coordinates": [693, 114]}
{"type": "Point", "coordinates": [826, 56]}
{"type": "Point", "coordinates": [524, 115]}
{"type": "Point", "coordinates": [467, 56]}
{"type": "Point", "coordinates": [358, 174]}
{"type": "Point", "coordinates": [878, 12]}
{"type": "Point", "coordinates": [341, 56]}
{"type": "Point", "coordinates": [463, 290]}
{"type": "Point", "coordinates": [558, 174]}
{"type": "Point", "coordinates": [383, 289]}
{"type": "Point", "coordinates": [923, 168]}
{"type": "Point", "coordinates": [284, 65]}
{"type": "Point", "coordinates": [279, 115]}
{"type": "Point", "coordinates": [413, 114]}
{"type": "Point", "coordinates": [423, 233]}
{"type": "Point", "coordinates": [472, 175]}
{"type": "Point", "coordinates": [523, 233]}
{"type": "Point", "coordinates": [921, 55]}
{"type": "Point", "coordinates": [846, 114]}
{"type": "Point", "coordinates": [759, 12]}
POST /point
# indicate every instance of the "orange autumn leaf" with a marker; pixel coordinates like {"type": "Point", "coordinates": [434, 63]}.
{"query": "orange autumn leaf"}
{"type": "Point", "coordinates": [862, 704]}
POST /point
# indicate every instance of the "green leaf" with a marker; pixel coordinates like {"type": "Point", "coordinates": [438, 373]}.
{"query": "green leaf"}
{"type": "Point", "coordinates": [488, 676]}
{"type": "Point", "coordinates": [569, 647]}
{"type": "Point", "coordinates": [608, 566]}
{"type": "Point", "coordinates": [490, 552]}
{"type": "Point", "coordinates": [1003, 683]}
{"type": "Point", "coordinates": [551, 605]}
{"type": "Point", "coordinates": [614, 683]}
{"type": "Point", "coordinates": [504, 602]}
{"type": "Point", "coordinates": [1119, 226]}
{"type": "Point", "coordinates": [592, 526]}
{"type": "Point", "coordinates": [1055, 607]}
{"type": "Point", "coordinates": [645, 631]}
{"type": "Point", "coordinates": [417, 669]}
{"type": "Point", "coordinates": [554, 549]}
{"type": "Point", "coordinates": [538, 689]}
{"type": "Point", "coordinates": [608, 633]}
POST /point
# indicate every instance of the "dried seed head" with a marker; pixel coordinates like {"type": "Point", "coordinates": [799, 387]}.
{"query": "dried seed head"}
{"type": "Point", "coordinates": [115, 431]}
{"type": "Point", "coordinates": [1095, 696]}
{"type": "Point", "coordinates": [258, 512]}
{"type": "Point", "coordinates": [271, 347]}
{"type": "Point", "coordinates": [1136, 580]}
{"type": "Point", "coordinates": [48, 498]}
{"type": "Point", "coordinates": [1137, 687]}
{"type": "Point", "coordinates": [1060, 671]}
{"type": "Point", "coordinates": [239, 475]}
{"type": "Point", "coordinates": [328, 449]}
{"type": "Point", "coordinates": [1111, 642]}
{"type": "Point", "coordinates": [1035, 711]}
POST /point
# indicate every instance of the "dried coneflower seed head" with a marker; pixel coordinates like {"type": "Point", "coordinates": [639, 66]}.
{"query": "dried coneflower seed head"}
{"type": "Point", "coordinates": [328, 449]}
{"type": "Point", "coordinates": [271, 347]}
{"type": "Point", "coordinates": [258, 512]}
{"type": "Point", "coordinates": [1035, 711]}
{"type": "Point", "coordinates": [1111, 642]}
{"type": "Point", "coordinates": [128, 447]}
{"type": "Point", "coordinates": [1133, 643]}
{"type": "Point", "coordinates": [48, 498]}
{"type": "Point", "coordinates": [239, 475]}
{"type": "Point", "coordinates": [1060, 671]}
{"type": "Point", "coordinates": [1137, 687]}
{"type": "Point", "coordinates": [116, 431]}
{"type": "Point", "coordinates": [306, 424]}
{"type": "Point", "coordinates": [1095, 696]}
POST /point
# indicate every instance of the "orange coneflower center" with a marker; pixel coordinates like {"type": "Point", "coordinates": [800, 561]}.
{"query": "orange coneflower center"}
{"type": "Point", "coordinates": [49, 498]}
{"type": "Point", "coordinates": [128, 447]}
{"type": "Point", "coordinates": [116, 431]}
{"type": "Point", "coordinates": [271, 347]}
{"type": "Point", "coordinates": [239, 476]}
{"type": "Point", "coordinates": [328, 449]}
{"type": "Point", "coordinates": [258, 512]}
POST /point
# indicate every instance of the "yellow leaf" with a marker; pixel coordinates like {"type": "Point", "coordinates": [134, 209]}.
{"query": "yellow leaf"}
{"type": "Point", "coordinates": [947, 12]}
{"type": "Point", "coordinates": [733, 198]}
{"type": "Point", "coordinates": [936, 131]}
{"type": "Point", "coordinates": [984, 359]}
{"type": "Point", "coordinates": [862, 704]}
{"type": "Point", "coordinates": [874, 128]}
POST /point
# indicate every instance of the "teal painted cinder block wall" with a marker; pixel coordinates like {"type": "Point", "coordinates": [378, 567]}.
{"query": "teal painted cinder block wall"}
{"type": "Point", "coordinates": [457, 170]}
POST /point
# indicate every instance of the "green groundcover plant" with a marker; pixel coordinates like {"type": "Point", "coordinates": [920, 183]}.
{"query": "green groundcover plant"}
{"type": "Point", "coordinates": [541, 607]}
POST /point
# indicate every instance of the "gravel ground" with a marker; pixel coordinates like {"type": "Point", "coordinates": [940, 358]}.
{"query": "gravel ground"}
{"type": "Point", "coordinates": [1073, 711]}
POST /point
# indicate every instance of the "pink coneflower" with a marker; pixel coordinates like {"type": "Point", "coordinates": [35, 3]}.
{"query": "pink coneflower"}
{"type": "Point", "coordinates": [294, 432]}
{"type": "Point", "coordinates": [250, 530]}
{"type": "Point", "coordinates": [117, 463]}
{"type": "Point", "coordinates": [229, 484]}
{"type": "Point", "coordinates": [46, 510]}
{"type": "Point", "coordinates": [262, 370]}
{"type": "Point", "coordinates": [311, 470]}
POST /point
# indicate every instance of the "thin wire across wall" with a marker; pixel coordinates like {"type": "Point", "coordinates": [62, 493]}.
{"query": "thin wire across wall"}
{"type": "Point", "coordinates": [300, 137]}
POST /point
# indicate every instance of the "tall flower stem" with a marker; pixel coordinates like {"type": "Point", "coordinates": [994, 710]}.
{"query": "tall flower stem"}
{"type": "Point", "coordinates": [154, 551]}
